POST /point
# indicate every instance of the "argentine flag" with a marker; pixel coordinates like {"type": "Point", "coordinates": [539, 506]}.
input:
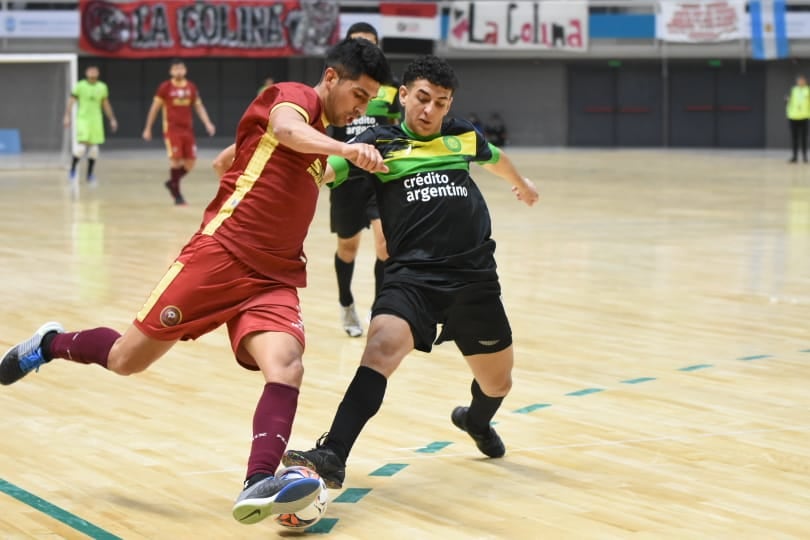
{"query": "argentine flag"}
{"type": "Point", "coordinates": [768, 32]}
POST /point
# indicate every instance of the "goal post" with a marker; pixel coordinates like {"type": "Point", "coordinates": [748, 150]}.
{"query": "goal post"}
{"type": "Point", "coordinates": [33, 93]}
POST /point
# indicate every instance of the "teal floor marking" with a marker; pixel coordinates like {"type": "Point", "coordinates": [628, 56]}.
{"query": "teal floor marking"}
{"type": "Point", "coordinates": [434, 447]}
{"type": "Point", "coordinates": [584, 392]}
{"type": "Point", "coordinates": [639, 380]}
{"type": "Point", "coordinates": [695, 367]}
{"type": "Point", "coordinates": [805, 350]}
{"type": "Point", "coordinates": [531, 408]}
{"type": "Point", "coordinates": [389, 470]}
{"type": "Point", "coordinates": [352, 495]}
{"type": "Point", "coordinates": [55, 512]}
{"type": "Point", "coordinates": [324, 526]}
{"type": "Point", "coordinates": [755, 357]}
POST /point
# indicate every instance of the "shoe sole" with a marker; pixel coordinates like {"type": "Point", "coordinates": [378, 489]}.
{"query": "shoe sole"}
{"type": "Point", "coordinates": [289, 500]}
{"type": "Point", "coordinates": [291, 459]}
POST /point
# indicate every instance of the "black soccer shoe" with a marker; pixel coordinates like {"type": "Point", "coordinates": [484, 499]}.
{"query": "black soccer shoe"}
{"type": "Point", "coordinates": [320, 459]}
{"type": "Point", "coordinates": [489, 443]}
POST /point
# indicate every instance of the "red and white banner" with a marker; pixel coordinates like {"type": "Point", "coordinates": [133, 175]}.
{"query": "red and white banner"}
{"type": "Point", "coordinates": [550, 25]}
{"type": "Point", "coordinates": [185, 28]}
{"type": "Point", "coordinates": [410, 20]}
{"type": "Point", "coordinates": [690, 22]}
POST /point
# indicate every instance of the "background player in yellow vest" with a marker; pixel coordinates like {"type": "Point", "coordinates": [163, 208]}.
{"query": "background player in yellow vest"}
{"type": "Point", "coordinates": [798, 111]}
{"type": "Point", "coordinates": [92, 96]}
{"type": "Point", "coordinates": [353, 206]}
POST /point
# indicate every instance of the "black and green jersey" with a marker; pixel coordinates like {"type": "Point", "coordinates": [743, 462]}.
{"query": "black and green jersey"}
{"type": "Point", "coordinates": [382, 110]}
{"type": "Point", "coordinates": [435, 220]}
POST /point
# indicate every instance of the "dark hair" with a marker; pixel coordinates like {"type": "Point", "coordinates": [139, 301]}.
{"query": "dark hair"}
{"type": "Point", "coordinates": [176, 62]}
{"type": "Point", "coordinates": [362, 27]}
{"type": "Point", "coordinates": [433, 69]}
{"type": "Point", "coordinates": [352, 58]}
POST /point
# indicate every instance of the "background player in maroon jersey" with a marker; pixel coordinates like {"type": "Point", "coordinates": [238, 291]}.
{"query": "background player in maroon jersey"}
{"type": "Point", "coordinates": [244, 264]}
{"type": "Point", "coordinates": [175, 98]}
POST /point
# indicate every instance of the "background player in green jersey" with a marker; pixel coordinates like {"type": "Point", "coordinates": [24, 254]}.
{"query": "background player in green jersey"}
{"type": "Point", "coordinates": [353, 206]}
{"type": "Point", "coordinates": [441, 267]}
{"type": "Point", "coordinates": [92, 97]}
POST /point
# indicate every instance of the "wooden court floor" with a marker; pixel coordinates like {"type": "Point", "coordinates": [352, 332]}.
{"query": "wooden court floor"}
{"type": "Point", "coordinates": [660, 302]}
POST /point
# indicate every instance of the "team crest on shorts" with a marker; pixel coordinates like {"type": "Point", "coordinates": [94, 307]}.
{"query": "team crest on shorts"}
{"type": "Point", "coordinates": [171, 316]}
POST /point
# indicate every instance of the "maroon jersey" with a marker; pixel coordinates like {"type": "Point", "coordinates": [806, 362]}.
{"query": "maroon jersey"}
{"type": "Point", "coordinates": [177, 101]}
{"type": "Point", "coordinates": [266, 200]}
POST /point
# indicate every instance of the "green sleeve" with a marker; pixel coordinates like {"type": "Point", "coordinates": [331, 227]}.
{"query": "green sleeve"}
{"type": "Point", "coordinates": [496, 155]}
{"type": "Point", "coordinates": [341, 167]}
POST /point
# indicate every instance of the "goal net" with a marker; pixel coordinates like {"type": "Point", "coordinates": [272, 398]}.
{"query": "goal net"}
{"type": "Point", "coordinates": [33, 92]}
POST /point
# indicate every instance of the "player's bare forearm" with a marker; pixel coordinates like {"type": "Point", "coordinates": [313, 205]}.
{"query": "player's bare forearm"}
{"type": "Point", "coordinates": [523, 188]}
{"type": "Point", "coordinates": [203, 114]}
{"type": "Point", "coordinates": [150, 117]}
{"type": "Point", "coordinates": [291, 130]}
{"type": "Point", "coordinates": [224, 160]}
{"type": "Point", "coordinates": [68, 110]}
{"type": "Point", "coordinates": [108, 110]}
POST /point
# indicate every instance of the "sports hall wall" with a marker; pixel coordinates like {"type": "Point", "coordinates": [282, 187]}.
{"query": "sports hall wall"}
{"type": "Point", "coordinates": [626, 89]}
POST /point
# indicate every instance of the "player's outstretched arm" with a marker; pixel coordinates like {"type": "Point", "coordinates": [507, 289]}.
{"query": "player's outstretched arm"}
{"type": "Point", "coordinates": [224, 160]}
{"type": "Point", "coordinates": [292, 130]}
{"type": "Point", "coordinates": [522, 187]}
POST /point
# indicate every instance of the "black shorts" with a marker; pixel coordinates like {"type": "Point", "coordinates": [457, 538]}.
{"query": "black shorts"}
{"type": "Point", "coordinates": [472, 315]}
{"type": "Point", "coordinates": [353, 205]}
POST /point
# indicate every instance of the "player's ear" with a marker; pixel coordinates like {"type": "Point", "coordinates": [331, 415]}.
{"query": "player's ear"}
{"type": "Point", "coordinates": [403, 94]}
{"type": "Point", "coordinates": [330, 77]}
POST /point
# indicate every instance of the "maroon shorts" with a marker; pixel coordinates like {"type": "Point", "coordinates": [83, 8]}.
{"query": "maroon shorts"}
{"type": "Point", "coordinates": [181, 145]}
{"type": "Point", "coordinates": [207, 287]}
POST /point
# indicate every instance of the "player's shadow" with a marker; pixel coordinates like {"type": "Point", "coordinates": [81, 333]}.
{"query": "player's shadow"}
{"type": "Point", "coordinates": [147, 507]}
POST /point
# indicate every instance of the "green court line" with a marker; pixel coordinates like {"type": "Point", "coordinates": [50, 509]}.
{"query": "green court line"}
{"type": "Point", "coordinates": [695, 367]}
{"type": "Point", "coordinates": [584, 392]}
{"type": "Point", "coordinates": [388, 470]}
{"type": "Point", "coordinates": [755, 357]}
{"type": "Point", "coordinates": [433, 447]}
{"type": "Point", "coordinates": [324, 526]}
{"type": "Point", "coordinates": [352, 495]}
{"type": "Point", "coordinates": [805, 350]}
{"type": "Point", "coordinates": [55, 512]}
{"type": "Point", "coordinates": [531, 408]}
{"type": "Point", "coordinates": [639, 380]}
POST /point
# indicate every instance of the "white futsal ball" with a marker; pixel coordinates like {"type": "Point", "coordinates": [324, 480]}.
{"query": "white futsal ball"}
{"type": "Point", "coordinates": [313, 513]}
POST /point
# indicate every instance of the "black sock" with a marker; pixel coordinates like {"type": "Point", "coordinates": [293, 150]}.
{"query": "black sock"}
{"type": "Point", "coordinates": [344, 272]}
{"type": "Point", "coordinates": [255, 478]}
{"type": "Point", "coordinates": [379, 274]}
{"type": "Point", "coordinates": [361, 401]}
{"type": "Point", "coordinates": [482, 409]}
{"type": "Point", "coordinates": [45, 346]}
{"type": "Point", "coordinates": [90, 164]}
{"type": "Point", "coordinates": [74, 163]}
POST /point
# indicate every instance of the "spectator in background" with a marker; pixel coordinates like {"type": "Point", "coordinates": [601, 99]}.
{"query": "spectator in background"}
{"type": "Point", "coordinates": [476, 122]}
{"type": "Point", "coordinates": [798, 111]}
{"type": "Point", "coordinates": [268, 82]}
{"type": "Point", "coordinates": [495, 130]}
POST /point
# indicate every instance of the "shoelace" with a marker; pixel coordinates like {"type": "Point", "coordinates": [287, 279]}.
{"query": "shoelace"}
{"type": "Point", "coordinates": [29, 354]}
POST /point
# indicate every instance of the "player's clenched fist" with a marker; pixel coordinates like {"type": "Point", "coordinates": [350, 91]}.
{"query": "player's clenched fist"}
{"type": "Point", "coordinates": [365, 156]}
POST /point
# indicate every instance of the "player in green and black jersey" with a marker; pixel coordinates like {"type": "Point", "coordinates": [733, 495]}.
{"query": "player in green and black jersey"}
{"type": "Point", "coordinates": [441, 267]}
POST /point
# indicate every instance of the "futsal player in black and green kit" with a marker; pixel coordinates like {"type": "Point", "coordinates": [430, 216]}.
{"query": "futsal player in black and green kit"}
{"type": "Point", "coordinates": [92, 97]}
{"type": "Point", "coordinates": [441, 266]}
{"type": "Point", "coordinates": [353, 206]}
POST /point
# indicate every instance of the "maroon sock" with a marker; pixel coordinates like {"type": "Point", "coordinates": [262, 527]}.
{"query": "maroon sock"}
{"type": "Point", "coordinates": [85, 347]}
{"type": "Point", "coordinates": [175, 174]}
{"type": "Point", "coordinates": [272, 424]}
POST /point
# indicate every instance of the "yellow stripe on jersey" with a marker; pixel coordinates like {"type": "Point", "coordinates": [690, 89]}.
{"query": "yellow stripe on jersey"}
{"type": "Point", "coordinates": [291, 105]}
{"type": "Point", "coordinates": [165, 281]}
{"type": "Point", "coordinates": [463, 144]}
{"type": "Point", "coordinates": [265, 148]}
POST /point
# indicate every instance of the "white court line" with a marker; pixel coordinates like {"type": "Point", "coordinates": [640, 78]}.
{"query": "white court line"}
{"type": "Point", "coordinates": [510, 450]}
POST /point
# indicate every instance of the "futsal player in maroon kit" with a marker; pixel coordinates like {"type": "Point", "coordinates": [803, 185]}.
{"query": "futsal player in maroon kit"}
{"type": "Point", "coordinates": [175, 98]}
{"type": "Point", "coordinates": [244, 264]}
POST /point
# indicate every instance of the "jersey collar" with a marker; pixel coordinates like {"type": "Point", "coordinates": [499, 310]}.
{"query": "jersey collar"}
{"type": "Point", "coordinates": [413, 135]}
